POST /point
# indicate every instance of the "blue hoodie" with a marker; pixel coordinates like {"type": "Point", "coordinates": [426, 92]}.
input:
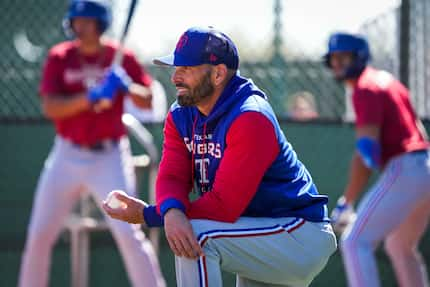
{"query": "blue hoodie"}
{"type": "Point", "coordinates": [286, 189]}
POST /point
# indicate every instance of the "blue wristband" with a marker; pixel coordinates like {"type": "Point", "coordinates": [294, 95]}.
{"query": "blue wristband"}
{"type": "Point", "coordinates": [151, 216]}
{"type": "Point", "coordinates": [171, 203]}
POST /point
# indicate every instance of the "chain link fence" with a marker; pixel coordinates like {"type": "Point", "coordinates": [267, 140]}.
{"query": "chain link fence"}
{"type": "Point", "coordinates": [384, 34]}
{"type": "Point", "coordinates": [419, 56]}
{"type": "Point", "coordinates": [385, 54]}
{"type": "Point", "coordinates": [30, 27]}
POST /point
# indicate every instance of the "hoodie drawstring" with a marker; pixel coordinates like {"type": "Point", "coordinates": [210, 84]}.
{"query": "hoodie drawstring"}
{"type": "Point", "coordinates": [203, 159]}
{"type": "Point", "coordinates": [193, 150]}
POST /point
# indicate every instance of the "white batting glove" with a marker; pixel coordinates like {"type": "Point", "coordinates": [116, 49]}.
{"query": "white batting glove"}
{"type": "Point", "coordinates": [342, 216]}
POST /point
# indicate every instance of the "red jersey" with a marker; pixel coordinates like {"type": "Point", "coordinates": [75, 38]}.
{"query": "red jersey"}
{"type": "Point", "coordinates": [379, 99]}
{"type": "Point", "coordinates": [67, 72]}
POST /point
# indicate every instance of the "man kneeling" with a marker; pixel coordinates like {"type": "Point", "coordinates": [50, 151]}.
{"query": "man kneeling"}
{"type": "Point", "coordinates": [258, 214]}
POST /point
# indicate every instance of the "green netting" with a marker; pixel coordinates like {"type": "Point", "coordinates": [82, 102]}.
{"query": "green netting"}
{"type": "Point", "coordinates": [30, 28]}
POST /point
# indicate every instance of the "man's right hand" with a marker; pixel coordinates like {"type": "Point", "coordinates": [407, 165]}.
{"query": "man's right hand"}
{"type": "Point", "coordinates": [131, 212]}
{"type": "Point", "coordinates": [180, 235]}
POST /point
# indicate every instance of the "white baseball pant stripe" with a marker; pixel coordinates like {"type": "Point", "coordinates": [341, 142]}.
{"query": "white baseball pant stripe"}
{"type": "Point", "coordinates": [398, 202]}
{"type": "Point", "coordinates": [68, 171]}
{"type": "Point", "coordinates": [248, 232]}
{"type": "Point", "coordinates": [260, 251]}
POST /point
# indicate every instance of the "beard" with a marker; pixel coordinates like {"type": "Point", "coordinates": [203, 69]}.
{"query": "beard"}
{"type": "Point", "coordinates": [202, 90]}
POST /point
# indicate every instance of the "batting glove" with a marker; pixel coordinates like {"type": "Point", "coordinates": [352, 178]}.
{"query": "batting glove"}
{"type": "Point", "coordinates": [119, 78]}
{"type": "Point", "coordinates": [115, 80]}
{"type": "Point", "coordinates": [95, 94]}
{"type": "Point", "coordinates": [342, 215]}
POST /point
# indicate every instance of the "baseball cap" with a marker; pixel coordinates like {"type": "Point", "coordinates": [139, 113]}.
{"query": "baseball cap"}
{"type": "Point", "coordinates": [202, 45]}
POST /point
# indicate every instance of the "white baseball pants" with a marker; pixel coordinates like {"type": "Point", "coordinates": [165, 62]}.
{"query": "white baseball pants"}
{"type": "Point", "coordinates": [260, 251]}
{"type": "Point", "coordinates": [397, 210]}
{"type": "Point", "coordinates": [68, 171]}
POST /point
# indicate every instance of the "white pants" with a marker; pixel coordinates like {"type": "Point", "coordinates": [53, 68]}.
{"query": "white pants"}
{"type": "Point", "coordinates": [260, 251]}
{"type": "Point", "coordinates": [68, 171]}
{"type": "Point", "coordinates": [397, 210]}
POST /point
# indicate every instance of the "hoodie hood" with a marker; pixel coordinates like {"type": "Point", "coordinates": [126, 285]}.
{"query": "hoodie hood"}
{"type": "Point", "coordinates": [237, 89]}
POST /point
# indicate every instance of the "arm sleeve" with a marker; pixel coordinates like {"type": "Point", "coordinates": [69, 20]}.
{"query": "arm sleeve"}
{"type": "Point", "coordinates": [136, 71]}
{"type": "Point", "coordinates": [173, 182]}
{"type": "Point", "coordinates": [51, 75]}
{"type": "Point", "coordinates": [368, 107]}
{"type": "Point", "coordinates": [246, 158]}
{"type": "Point", "coordinates": [370, 151]}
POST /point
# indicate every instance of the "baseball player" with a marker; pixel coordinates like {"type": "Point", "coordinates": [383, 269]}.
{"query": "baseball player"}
{"type": "Point", "coordinates": [91, 153]}
{"type": "Point", "coordinates": [389, 138]}
{"type": "Point", "coordinates": [258, 213]}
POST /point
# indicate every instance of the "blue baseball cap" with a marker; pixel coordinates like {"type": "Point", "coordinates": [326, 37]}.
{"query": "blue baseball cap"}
{"type": "Point", "coordinates": [344, 42]}
{"type": "Point", "coordinates": [202, 45]}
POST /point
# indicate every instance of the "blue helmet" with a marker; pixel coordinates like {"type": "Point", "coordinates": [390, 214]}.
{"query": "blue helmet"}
{"type": "Point", "coordinates": [89, 9]}
{"type": "Point", "coordinates": [343, 42]}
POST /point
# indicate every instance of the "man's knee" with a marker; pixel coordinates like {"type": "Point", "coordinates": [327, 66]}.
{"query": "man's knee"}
{"type": "Point", "coordinates": [200, 226]}
{"type": "Point", "coordinates": [397, 246]}
{"type": "Point", "coordinates": [203, 231]}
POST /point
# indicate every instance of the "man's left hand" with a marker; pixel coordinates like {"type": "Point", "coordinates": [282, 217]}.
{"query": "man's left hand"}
{"type": "Point", "coordinates": [180, 235]}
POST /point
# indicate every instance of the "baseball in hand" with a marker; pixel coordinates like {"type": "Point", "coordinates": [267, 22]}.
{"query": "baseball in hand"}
{"type": "Point", "coordinates": [113, 201]}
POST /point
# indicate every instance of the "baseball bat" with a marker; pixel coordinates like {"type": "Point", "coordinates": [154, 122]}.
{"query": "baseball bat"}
{"type": "Point", "coordinates": [119, 53]}
{"type": "Point", "coordinates": [117, 60]}
{"type": "Point", "coordinates": [134, 88]}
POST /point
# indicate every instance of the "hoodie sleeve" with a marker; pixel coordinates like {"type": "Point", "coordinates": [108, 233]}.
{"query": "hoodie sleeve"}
{"type": "Point", "coordinates": [247, 157]}
{"type": "Point", "coordinates": [173, 182]}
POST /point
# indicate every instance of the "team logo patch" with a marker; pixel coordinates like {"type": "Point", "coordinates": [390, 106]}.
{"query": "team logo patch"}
{"type": "Point", "coordinates": [213, 58]}
{"type": "Point", "coordinates": [182, 42]}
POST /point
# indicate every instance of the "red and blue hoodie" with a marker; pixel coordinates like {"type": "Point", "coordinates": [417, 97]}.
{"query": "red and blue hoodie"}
{"type": "Point", "coordinates": [236, 159]}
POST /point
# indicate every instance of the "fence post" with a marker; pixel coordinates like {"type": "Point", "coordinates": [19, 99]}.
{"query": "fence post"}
{"type": "Point", "coordinates": [404, 41]}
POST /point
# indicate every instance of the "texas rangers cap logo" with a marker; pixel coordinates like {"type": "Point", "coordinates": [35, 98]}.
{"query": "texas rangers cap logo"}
{"type": "Point", "coordinates": [213, 58]}
{"type": "Point", "coordinates": [182, 42]}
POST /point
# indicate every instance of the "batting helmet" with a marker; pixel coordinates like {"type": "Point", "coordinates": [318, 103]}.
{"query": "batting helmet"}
{"type": "Point", "coordinates": [343, 42]}
{"type": "Point", "coordinates": [89, 9]}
